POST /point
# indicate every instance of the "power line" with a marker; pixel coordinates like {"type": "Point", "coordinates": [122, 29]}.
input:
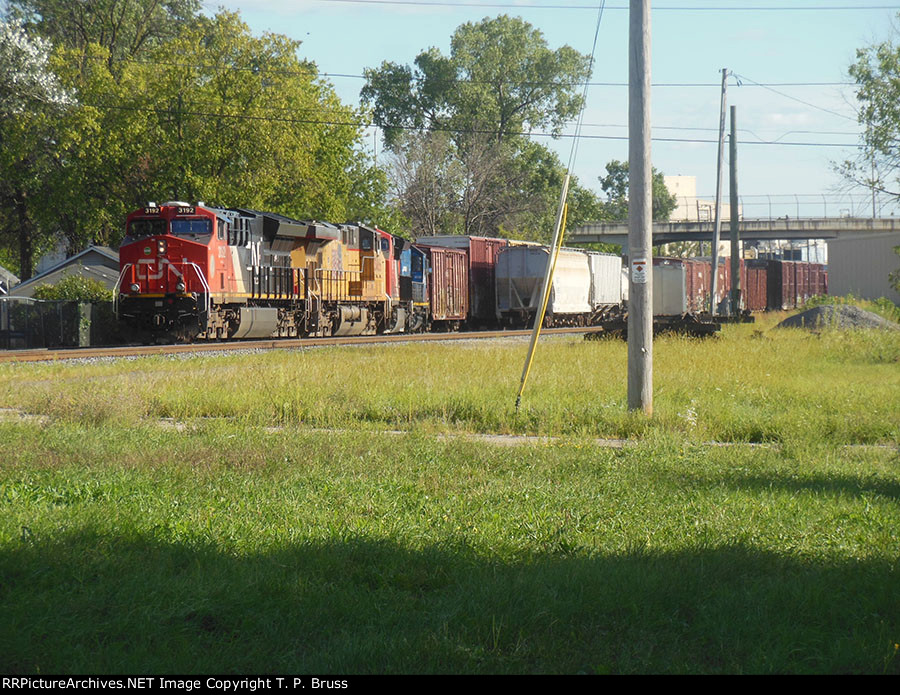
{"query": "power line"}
{"type": "Point", "coordinates": [313, 70]}
{"type": "Point", "coordinates": [681, 8]}
{"type": "Point", "coordinates": [363, 124]}
{"type": "Point", "coordinates": [741, 78]}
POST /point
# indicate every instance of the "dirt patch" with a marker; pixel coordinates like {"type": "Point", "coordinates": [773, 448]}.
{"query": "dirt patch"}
{"type": "Point", "coordinates": [839, 316]}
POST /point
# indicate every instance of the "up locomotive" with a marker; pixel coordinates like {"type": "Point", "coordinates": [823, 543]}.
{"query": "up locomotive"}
{"type": "Point", "coordinates": [197, 272]}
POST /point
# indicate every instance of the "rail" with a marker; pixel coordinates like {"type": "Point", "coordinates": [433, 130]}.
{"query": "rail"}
{"type": "Point", "coordinates": [278, 282]}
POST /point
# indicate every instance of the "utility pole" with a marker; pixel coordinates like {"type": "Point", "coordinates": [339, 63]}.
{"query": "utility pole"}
{"type": "Point", "coordinates": [640, 212]}
{"type": "Point", "coordinates": [718, 223]}
{"type": "Point", "coordinates": [735, 220]}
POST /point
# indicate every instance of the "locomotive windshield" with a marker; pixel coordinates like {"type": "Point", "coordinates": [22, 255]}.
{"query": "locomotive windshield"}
{"type": "Point", "coordinates": [193, 227]}
{"type": "Point", "coordinates": [142, 228]}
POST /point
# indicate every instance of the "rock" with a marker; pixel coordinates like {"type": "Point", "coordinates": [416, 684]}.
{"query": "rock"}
{"type": "Point", "coordinates": [839, 316]}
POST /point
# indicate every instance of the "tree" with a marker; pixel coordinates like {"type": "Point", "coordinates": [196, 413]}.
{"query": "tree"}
{"type": "Point", "coordinates": [877, 75]}
{"type": "Point", "coordinates": [26, 82]}
{"type": "Point", "coordinates": [615, 186]}
{"type": "Point", "coordinates": [426, 176]}
{"type": "Point", "coordinates": [482, 187]}
{"type": "Point", "coordinates": [500, 78]}
{"type": "Point", "coordinates": [236, 120]}
{"type": "Point", "coordinates": [499, 81]}
{"type": "Point", "coordinates": [242, 120]}
{"type": "Point", "coordinates": [30, 93]}
{"type": "Point", "coordinates": [125, 28]}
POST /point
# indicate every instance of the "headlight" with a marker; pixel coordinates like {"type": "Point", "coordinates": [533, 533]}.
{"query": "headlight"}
{"type": "Point", "coordinates": [179, 287]}
{"type": "Point", "coordinates": [135, 287]}
{"type": "Point", "coordinates": [161, 246]}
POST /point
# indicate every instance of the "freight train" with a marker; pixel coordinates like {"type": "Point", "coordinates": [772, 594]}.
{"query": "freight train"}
{"type": "Point", "coordinates": [198, 272]}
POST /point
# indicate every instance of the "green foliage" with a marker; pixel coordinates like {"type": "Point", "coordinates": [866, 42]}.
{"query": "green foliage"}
{"type": "Point", "coordinates": [455, 125]}
{"type": "Point", "coordinates": [237, 120]}
{"type": "Point", "coordinates": [75, 288]}
{"type": "Point", "coordinates": [476, 185]}
{"type": "Point", "coordinates": [877, 76]}
{"type": "Point", "coordinates": [124, 28]}
{"type": "Point", "coordinates": [615, 186]}
{"type": "Point", "coordinates": [499, 79]}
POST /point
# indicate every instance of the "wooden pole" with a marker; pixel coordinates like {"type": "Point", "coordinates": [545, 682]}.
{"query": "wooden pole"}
{"type": "Point", "coordinates": [640, 212]}
{"type": "Point", "coordinates": [735, 219]}
{"type": "Point", "coordinates": [718, 223]}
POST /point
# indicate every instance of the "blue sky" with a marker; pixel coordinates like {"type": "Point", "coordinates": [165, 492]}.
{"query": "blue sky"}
{"type": "Point", "coordinates": [800, 42]}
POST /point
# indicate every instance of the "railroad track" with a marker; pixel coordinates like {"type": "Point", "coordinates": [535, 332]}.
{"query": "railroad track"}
{"type": "Point", "coordinates": [49, 355]}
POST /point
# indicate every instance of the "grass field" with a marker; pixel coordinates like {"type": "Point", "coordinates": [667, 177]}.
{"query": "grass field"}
{"type": "Point", "coordinates": [324, 511]}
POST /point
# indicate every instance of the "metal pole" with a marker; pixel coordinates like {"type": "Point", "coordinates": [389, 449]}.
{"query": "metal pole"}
{"type": "Point", "coordinates": [735, 220]}
{"type": "Point", "coordinates": [873, 185]}
{"type": "Point", "coordinates": [718, 223]}
{"type": "Point", "coordinates": [640, 212]}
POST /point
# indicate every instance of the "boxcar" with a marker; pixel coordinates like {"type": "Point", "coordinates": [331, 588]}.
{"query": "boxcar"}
{"type": "Point", "coordinates": [754, 291]}
{"type": "Point", "coordinates": [482, 258]}
{"type": "Point", "coordinates": [448, 285]}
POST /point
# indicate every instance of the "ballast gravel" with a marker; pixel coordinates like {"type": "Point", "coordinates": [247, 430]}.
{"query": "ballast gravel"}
{"type": "Point", "coordinates": [839, 316]}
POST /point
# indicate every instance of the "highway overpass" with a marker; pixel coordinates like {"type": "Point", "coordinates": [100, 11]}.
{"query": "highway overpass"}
{"type": "Point", "coordinates": [750, 230]}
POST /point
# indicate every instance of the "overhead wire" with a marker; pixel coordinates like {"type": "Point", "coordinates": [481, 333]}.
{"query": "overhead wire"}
{"type": "Point", "coordinates": [477, 131]}
{"type": "Point", "coordinates": [315, 72]}
{"type": "Point", "coordinates": [662, 8]}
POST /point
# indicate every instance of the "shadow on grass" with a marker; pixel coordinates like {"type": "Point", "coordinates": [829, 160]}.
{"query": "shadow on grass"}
{"type": "Point", "coordinates": [832, 483]}
{"type": "Point", "coordinates": [139, 604]}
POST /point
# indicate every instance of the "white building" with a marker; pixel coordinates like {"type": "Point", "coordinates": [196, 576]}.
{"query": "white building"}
{"type": "Point", "coordinates": [691, 207]}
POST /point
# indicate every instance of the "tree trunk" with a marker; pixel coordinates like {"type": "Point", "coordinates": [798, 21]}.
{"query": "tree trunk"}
{"type": "Point", "coordinates": [25, 248]}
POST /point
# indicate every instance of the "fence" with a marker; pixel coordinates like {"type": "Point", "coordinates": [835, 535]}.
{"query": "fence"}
{"type": "Point", "coordinates": [793, 205]}
{"type": "Point", "coordinates": [27, 323]}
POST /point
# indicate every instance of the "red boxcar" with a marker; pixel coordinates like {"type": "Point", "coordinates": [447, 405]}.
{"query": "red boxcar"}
{"type": "Point", "coordinates": [754, 290]}
{"type": "Point", "coordinates": [448, 283]}
{"type": "Point", "coordinates": [482, 255]}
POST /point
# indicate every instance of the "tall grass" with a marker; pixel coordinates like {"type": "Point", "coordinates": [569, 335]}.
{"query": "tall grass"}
{"type": "Point", "coordinates": [752, 384]}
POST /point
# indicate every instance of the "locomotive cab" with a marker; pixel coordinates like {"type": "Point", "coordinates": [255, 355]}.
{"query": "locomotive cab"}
{"type": "Point", "coordinates": [165, 261]}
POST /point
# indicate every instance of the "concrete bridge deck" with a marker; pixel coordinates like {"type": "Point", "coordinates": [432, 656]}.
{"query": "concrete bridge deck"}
{"type": "Point", "coordinates": [750, 230]}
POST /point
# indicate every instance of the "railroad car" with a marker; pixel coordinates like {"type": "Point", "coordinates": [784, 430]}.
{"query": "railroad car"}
{"type": "Point", "coordinates": [681, 286]}
{"type": "Point", "coordinates": [200, 272]}
{"type": "Point", "coordinates": [754, 288]}
{"type": "Point", "coordinates": [482, 255]}
{"type": "Point", "coordinates": [586, 287]}
{"type": "Point", "coordinates": [447, 291]}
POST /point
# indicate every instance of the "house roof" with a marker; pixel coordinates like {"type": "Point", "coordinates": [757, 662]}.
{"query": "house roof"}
{"type": "Point", "coordinates": [74, 264]}
{"type": "Point", "coordinates": [7, 280]}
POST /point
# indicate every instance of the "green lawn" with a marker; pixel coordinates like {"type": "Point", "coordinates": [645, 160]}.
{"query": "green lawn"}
{"type": "Point", "coordinates": [229, 545]}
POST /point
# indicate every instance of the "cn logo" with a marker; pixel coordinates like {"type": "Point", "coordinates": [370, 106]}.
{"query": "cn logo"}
{"type": "Point", "coordinates": [145, 269]}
